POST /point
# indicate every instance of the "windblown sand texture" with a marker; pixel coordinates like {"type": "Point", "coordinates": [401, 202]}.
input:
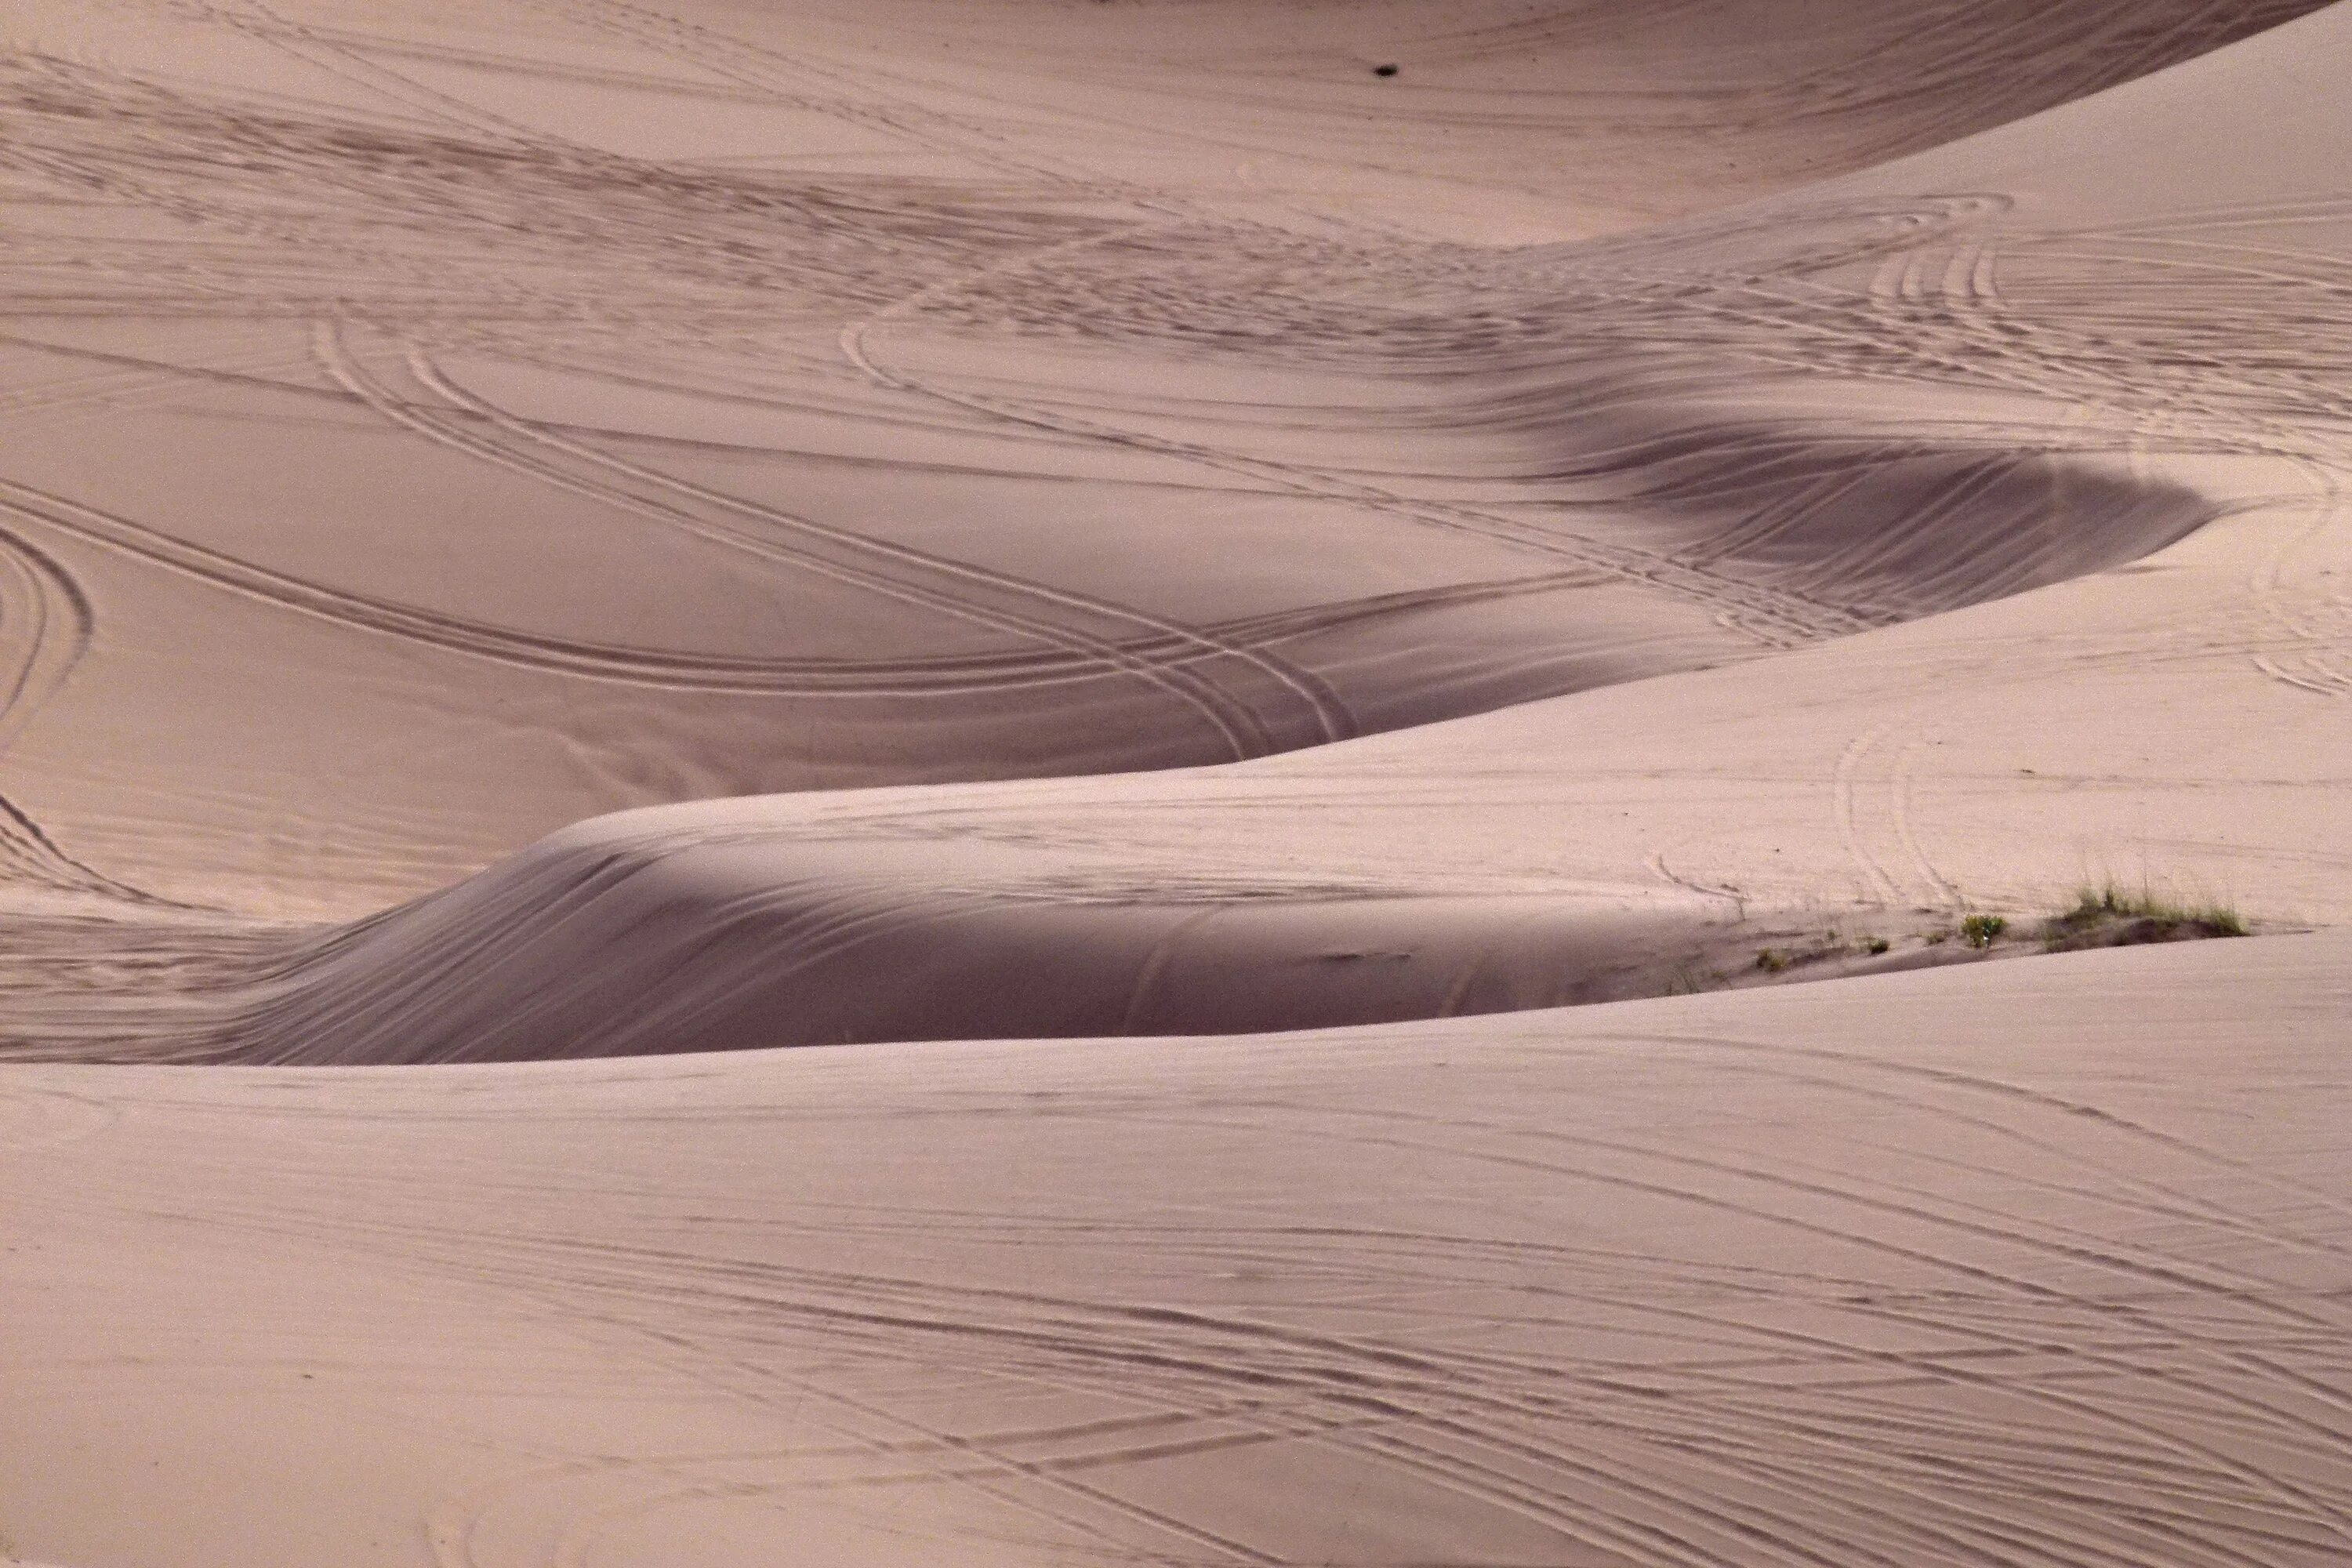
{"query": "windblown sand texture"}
{"type": "Point", "coordinates": [1046, 543]}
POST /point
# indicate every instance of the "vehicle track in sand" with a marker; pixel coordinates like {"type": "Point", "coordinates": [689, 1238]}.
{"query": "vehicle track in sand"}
{"type": "Point", "coordinates": [1761, 609]}
{"type": "Point", "coordinates": [929, 676]}
{"type": "Point", "coordinates": [1935, 289]}
{"type": "Point", "coordinates": [2012, 1323]}
{"type": "Point", "coordinates": [1670, 1291]}
{"type": "Point", "coordinates": [1378, 1401]}
{"type": "Point", "coordinates": [953, 581]}
{"type": "Point", "coordinates": [46, 628]}
{"type": "Point", "coordinates": [1768, 616]}
{"type": "Point", "coordinates": [1655, 316]}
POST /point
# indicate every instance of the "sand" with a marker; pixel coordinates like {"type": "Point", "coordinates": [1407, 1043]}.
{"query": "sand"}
{"type": "Point", "coordinates": [1100, 536]}
{"type": "Point", "coordinates": [2037, 1262]}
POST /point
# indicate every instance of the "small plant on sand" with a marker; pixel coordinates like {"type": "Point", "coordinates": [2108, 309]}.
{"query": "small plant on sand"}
{"type": "Point", "coordinates": [1877, 945]}
{"type": "Point", "coordinates": [1771, 960]}
{"type": "Point", "coordinates": [1683, 983]}
{"type": "Point", "coordinates": [1983, 931]}
{"type": "Point", "coordinates": [2108, 917]}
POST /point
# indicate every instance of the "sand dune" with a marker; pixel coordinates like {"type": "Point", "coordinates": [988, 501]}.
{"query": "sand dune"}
{"type": "Point", "coordinates": [2005, 1264]}
{"type": "Point", "coordinates": [634, 465]}
{"type": "Point", "coordinates": [1097, 534]}
{"type": "Point", "coordinates": [1608, 843]}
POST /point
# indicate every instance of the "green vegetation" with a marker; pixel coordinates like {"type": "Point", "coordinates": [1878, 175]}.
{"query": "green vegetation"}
{"type": "Point", "coordinates": [2102, 915]}
{"type": "Point", "coordinates": [1980, 931]}
{"type": "Point", "coordinates": [2108, 917]}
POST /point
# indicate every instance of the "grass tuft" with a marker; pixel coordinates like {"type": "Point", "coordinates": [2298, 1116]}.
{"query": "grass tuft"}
{"type": "Point", "coordinates": [1980, 931]}
{"type": "Point", "coordinates": [2106, 916]}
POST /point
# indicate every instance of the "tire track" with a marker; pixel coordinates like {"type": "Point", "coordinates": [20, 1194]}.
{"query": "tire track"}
{"type": "Point", "coordinates": [944, 578]}
{"type": "Point", "coordinates": [47, 626]}
{"type": "Point", "coordinates": [1775, 618]}
{"type": "Point", "coordinates": [2022, 1412]}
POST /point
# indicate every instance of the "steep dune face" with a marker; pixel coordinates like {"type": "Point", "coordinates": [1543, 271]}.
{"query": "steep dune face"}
{"type": "Point", "coordinates": [757, 399]}
{"type": "Point", "coordinates": [1510, 860]}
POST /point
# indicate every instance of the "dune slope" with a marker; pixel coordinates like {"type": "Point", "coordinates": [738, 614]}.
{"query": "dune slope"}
{"type": "Point", "coordinates": [1639, 493]}
{"type": "Point", "coordinates": [2100, 368]}
{"type": "Point", "coordinates": [502, 414]}
{"type": "Point", "coordinates": [2005, 1264]}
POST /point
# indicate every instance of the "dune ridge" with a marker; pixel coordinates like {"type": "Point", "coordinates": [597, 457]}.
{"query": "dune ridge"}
{"type": "Point", "coordinates": [1801, 339]}
{"type": "Point", "coordinates": [647, 321]}
{"type": "Point", "coordinates": [1136, 561]}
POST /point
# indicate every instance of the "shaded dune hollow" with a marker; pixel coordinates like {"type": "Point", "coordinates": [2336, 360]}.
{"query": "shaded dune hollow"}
{"type": "Point", "coordinates": [960, 913]}
{"type": "Point", "coordinates": [582, 952]}
{"type": "Point", "coordinates": [751, 923]}
{"type": "Point", "coordinates": [1863, 528]}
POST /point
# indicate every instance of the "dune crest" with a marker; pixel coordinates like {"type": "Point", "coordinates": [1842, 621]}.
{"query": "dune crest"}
{"type": "Point", "coordinates": [1832, 412]}
{"type": "Point", "coordinates": [1136, 560]}
{"type": "Point", "coordinates": [738, 400]}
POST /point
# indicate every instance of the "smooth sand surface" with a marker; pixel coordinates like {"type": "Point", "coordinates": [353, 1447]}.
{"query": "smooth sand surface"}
{"type": "Point", "coordinates": [1089, 533]}
{"type": "Point", "coordinates": [2040, 1262]}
